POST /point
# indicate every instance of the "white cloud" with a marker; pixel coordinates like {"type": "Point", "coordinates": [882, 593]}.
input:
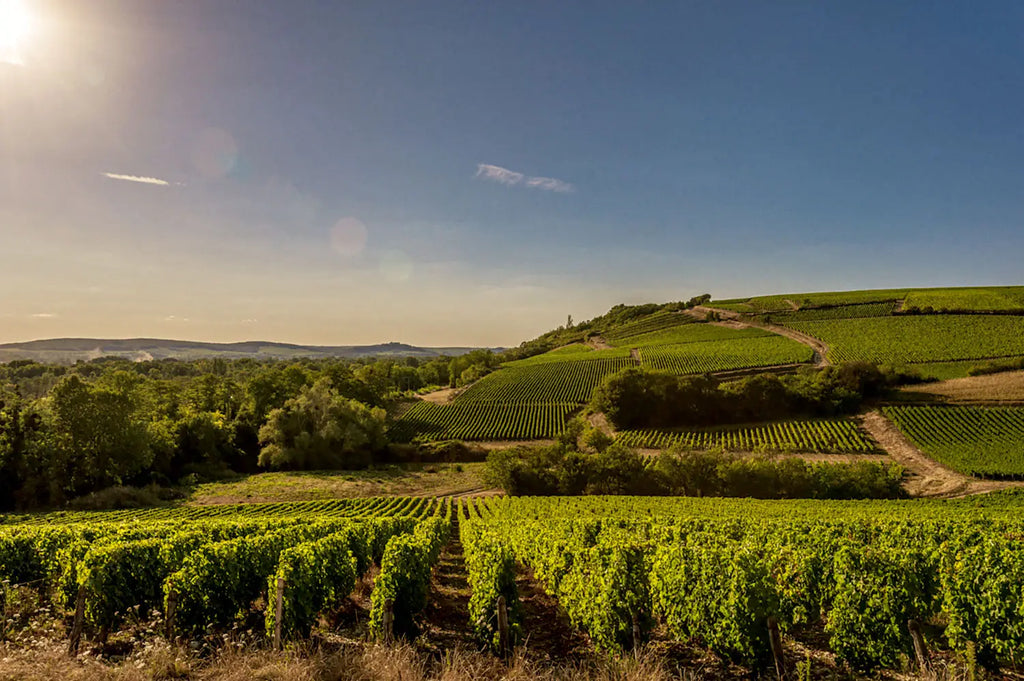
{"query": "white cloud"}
{"type": "Point", "coordinates": [44, 315]}
{"type": "Point", "coordinates": [137, 178]}
{"type": "Point", "coordinates": [173, 318]}
{"type": "Point", "coordinates": [549, 184]}
{"type": "Point", "coordinates": [512, 178]}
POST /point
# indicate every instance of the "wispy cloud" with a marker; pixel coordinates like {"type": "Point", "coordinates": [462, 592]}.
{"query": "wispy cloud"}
{"type": "Point", "coordinates": [137, 178]}
{"type": "Point", "coordinates": [43, 315]}
{"type": "Point", "coordinates": [512, 178]}
{"type": "Point", "coordinates": [173, 318]}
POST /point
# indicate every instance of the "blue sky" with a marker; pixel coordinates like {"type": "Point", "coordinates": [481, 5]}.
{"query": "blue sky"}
{"type": "Point", "coordinates": [449, 173]}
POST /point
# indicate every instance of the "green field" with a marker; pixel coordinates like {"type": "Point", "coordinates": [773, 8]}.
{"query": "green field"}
{"type": "Point", "coordinates": [212, 565]}
{"type": "Point", "coordinates": [980, 299]}
{"type": "Point", "coordinates": [931, 338]}
{"type": "Point", "coordinates": [1002, 299]}
{"type": "Point", "coordinates": [654, 322]}
{"type": "Point", "coordinates": [482, 421]}
{"type": "Point", "coordinates": [712, 356]}
{"type": "Point", "coordinates": [714, 571]}
{"type": "Point", "coordinates": [543, 383]}
{"type": "Point", "coordinates": [570, 353]}
{"type": "Point", "coordinates": [983, 441]}
{"type": "Point", "coordinates": [840, 312]}
{"type": "Point", "coordinates": [691, 333]}
{"type": "Point", "coordinates": [530, 398]}
{"type": "Point", "coordinates": [831, 436]}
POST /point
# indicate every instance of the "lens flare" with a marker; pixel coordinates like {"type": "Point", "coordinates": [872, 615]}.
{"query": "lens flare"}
{"type": "Point", "coordinates": [15, 26]}
{"type": "Point", "coordinates": [348, 237]}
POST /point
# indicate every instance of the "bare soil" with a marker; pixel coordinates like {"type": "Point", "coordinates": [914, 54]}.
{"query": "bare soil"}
{"type": "Point", "coordinates": [598, 343]}
{"type": "Point", "coordinates": [443, 396]}
{"type": "Point", "coordinates": [1002, 388]}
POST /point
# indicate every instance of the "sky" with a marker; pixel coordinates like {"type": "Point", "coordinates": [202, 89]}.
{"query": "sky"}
{"type": "Point", "coordinates": [470, 173]}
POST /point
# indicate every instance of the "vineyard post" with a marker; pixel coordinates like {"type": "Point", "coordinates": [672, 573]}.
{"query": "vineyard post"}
{"type": "Point", "coordinates": [636, 634]}
{"type": "Point", "coordinates": [920, 649]}
{"type": "Point", "coordinates": [76, 629]}
{"type": "Point", "coordinates": [172, 607]}
{"type": "Point", "coordinates": [389, 620]}
{"type": "Point", "coordinates": [775, 639]}
{"type": "Point", "coordinates": [278, 612]}
{"type": "Point", "coordinates": [503, 642]}
{"type": "Point", "coordinates": [3, 613]}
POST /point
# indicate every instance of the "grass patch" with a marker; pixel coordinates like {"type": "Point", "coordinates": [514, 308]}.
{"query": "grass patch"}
{"type": "Point", "coordinates": [430, 479]}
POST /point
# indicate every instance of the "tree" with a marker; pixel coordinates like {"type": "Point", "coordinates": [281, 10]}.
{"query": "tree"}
{"type": "Point", "coordinates": [320, 429]}
{"type": "Point", "coordinates": [97, 438]}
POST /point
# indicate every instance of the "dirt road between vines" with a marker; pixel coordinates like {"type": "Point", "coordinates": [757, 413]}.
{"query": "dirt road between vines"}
{"type": "Point", "coordinates": [926, 477]}
{"type": "Point", "coordinates": [736, 320]}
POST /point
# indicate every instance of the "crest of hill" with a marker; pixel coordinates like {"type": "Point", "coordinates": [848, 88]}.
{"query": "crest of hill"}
{"type": "Point", "coordinates": [620, 322]}
{"type": "Point", "coordinates": [968, 299]}
{"type": "Point", "coordinates": [70, 350]}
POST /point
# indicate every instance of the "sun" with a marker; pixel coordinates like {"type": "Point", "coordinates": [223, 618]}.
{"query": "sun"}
{"type": "Point", "coordinates": [15, 25]}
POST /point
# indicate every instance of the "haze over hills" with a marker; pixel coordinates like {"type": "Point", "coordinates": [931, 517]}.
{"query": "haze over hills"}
{"type": "Point", "coordinates": [70, 350]}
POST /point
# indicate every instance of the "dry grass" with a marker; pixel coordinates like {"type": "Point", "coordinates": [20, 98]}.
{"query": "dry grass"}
{"type": "Point", "coordinates": [437, 479]}
{"type": "Point", "coordinates": [1003, 387]}
{"type": "Point", "coordinates": [160, 662]}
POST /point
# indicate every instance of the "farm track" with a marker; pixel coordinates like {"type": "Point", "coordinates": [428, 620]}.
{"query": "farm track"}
{"type": "Point", "coordinates": [443, 396]}
{"type": "Point", "coordinates": [928, 478]}
{"type": "Point", "coordinates": [446, 624]}
{"type": "Point", "coordinates": [820, 348]}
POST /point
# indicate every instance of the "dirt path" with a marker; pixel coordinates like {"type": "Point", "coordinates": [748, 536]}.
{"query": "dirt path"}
{"type": "Point", "coordinates": [546, 628]}
{"type": "Point", "coordinates": [820, 348]}
{"type": "Point", "coordinates": [442, 396]}
{"type": "Point", "coordinates": [635, 354]}
{"type": "Point", "coordinates": [446, 622]}
{"type": "Point", "coordinates": [927, 477]}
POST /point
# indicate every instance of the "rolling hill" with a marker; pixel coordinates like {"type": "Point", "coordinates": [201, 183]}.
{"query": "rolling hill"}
{"type": "Point", "coordinates": [70, 350]}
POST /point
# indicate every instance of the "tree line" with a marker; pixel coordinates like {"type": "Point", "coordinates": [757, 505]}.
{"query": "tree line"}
{"type": "Point", "coordinates": [67, 431]}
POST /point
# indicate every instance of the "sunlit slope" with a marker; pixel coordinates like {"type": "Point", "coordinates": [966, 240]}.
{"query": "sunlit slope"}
{"type": "Point", "coordinates": [942, 332]}
{"type": "Point", "coordinates": [532, 398]}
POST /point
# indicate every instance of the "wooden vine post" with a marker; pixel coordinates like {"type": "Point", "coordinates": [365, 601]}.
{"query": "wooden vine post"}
{"type": "Point", "coordinates": [76, 629]}
{"type": "Point", "coordinates": [3, 613]}
{"type": "Point", "coordinates": [636, 635]}
{"type": "Point", "coordinates": [503, 634]}
{"type": "Point", "coordinates": [389, 621]}
{"type": "Point", "coordinates": [172, 608]}
{"type": "Point", "coordinates": [920, 649]}
{"type": "Point", "coordinates": [775, 639]}
{"type": "Point", "coordinates": [278, 612]}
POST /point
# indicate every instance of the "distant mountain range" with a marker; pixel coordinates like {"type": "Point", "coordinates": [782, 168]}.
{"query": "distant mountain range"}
{"type": "Point", "coordinates": [70, 350]}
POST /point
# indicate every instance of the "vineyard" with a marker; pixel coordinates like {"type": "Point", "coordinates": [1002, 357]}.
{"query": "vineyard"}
{"type": "Point", "coordinates": [694, 333]}
{"type": "Point", "coordinates": [546, 383]}
{"type": "Point", "coordinates": [835, 436]}
{"type": "Point", "coordinates": [473, 420]}
{"type": "Point", "coordinates": [982, 441]}
{"type": "Point", "coordinates": [712, 356]}
{"type": "Point", "coordinates": [211, 568]}
{"type": "Point", "coordinates": [714, 572]}
{"type": "Point", "coordinates": [968, 299]}
{"type": "Point", "coordinates": [932, 338]}
{"type": "Point", "coordinates": [840, 312]}
{"type": "Point", "coordinates": [718, 571]}
{"type": "Point", "coordinates": [651, 323]}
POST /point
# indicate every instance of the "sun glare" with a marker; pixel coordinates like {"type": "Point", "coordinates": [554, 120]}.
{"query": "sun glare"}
{"type": "Point", "coordinates": [15, 25]}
